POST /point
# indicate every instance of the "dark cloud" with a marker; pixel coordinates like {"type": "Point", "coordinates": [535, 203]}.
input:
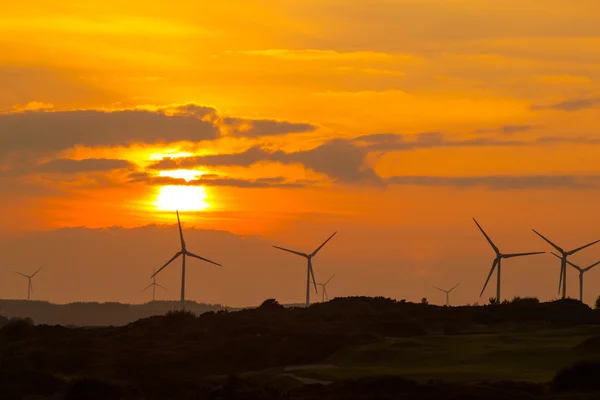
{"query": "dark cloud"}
{"type": "Point", "coordinates": [218, 180]}
{"type": "Point", "coordinates": [67, 166]}
{"type": "Point", "coordinates": [40, 132]}
{"type": "Point", "coordinates": [502, 182]}
{"type": "Point", "coordinates": [340, 159]}
{"type": "Point", "coordinates": [253, 128]}
{"type": "Point", "coordinates": [55, 131]}
{"type": "Point", "coordinates": [570, 105]}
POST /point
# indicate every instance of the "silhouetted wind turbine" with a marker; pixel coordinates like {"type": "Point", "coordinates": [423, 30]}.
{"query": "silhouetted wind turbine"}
{"type": "Point", "coordinates": [447, 293]}
{"type": "Point", "coordinates": [309, 271]}
{"type": "Point", "coordinates": [581, 272]}
{"type": "Point", "coordinates": [154, 285]}
{"type": "Point", "coordinates": [29, 285]}
{"type": "Point", "coordinates": [498, 261]}
{"type": "Point", "coordinates": [324, 289]}
{"type": "Point", "coordinates": [183, 252]}
{"type": "Point", "coordinates": [563, 261]}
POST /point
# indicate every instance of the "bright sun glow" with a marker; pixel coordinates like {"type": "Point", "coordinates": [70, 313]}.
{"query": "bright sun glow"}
{"type": "Point", "coordinates": [182, 198]}
{"type": "Point", "coordinates": [186, 174]}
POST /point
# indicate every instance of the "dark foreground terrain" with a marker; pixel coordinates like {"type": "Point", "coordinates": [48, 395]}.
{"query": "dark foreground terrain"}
{"type": "Point", "coordinates": [348, 348]}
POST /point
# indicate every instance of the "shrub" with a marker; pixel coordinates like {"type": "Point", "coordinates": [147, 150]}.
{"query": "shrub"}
{"type": "Point", "coordinates": [16, 328]}
{"type": "Point", "coordinates": [597, 304]}
{"type": "Point", "coordinates": [581, 377]}
{"type": "Point", "coordinates": [424, 300]}
{"type": "Point", "coordinates": [271, 304]}
{"type": "Point", "coordinates": [494, 301]}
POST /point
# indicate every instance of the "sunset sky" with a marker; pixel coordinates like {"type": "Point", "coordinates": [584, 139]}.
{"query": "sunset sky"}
{"type": "Point", "coordinates": [393, 122]}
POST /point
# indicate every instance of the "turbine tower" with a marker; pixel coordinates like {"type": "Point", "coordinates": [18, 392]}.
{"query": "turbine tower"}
{"type": "Point", "coordinates": [29, 285]}
{"type": "Point", "coordinates": [154, 285]}
{"type": "Point", "coordinates": [447, 293]}
{"type": "Point", "coordinates": [563, 261]}
{"type": "Point", "coordinates": [498, 261]}
{"type": "Point", "coordinates": [184, 253]}
{"type": "Point", "coordinates": [309, 271]}
{"type": "Point", "coordinates": [324, 289]}
{"type": "Point", "coordinates": [581, 272]}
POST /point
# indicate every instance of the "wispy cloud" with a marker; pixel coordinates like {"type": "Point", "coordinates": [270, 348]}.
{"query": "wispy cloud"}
{"type": "Point", "coordinates": [570, 105]}
{"type": "Point", "coordinates": [339, 159]}
{"type": "Point", "coordinates": [218, 180]}
{"type": "Point", "coordinates": [502, 182]}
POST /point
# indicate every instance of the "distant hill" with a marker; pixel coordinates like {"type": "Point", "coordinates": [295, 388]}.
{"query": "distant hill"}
{"type": "Point", "coordinates": [95, 314]}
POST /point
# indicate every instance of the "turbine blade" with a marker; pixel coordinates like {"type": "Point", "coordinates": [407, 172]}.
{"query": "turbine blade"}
{"type": "Point", "coordinates": [556, 255]}
{"type": "Point", "coordinates": [487, 237]}
{"type": "Point", "coordinates": [168, 262]}
{"type": "Point", "coordinates": [292, 251]}
{"type": "Point", "coordinates": [496, 260]}
{"type": "Point", "coordinates": [34, 274]}
{"type": "Point", "coordinates": [312, 273]}
{"type": "Point", "coordinates": [522, 254]}
{"type": "Point", "coordinates": [202, 258]}
{"type": "Point", "coordinates": [314, 253]}
{"type": "Point", "coordinates": [591, 266]}
{"type": "Point", "coordinates": [329, 280]}
{"type": "Point", "coordinates": [147, 287]}
{"type": "Point", "coordinates": [455, 286]}
{"type": "Point", "coordinates": [161, 286]}
{"type": "Point", "coordinates": [441, 290]}
{"type": "Point", "coordinates": [582, 247]}
{"type": "Point", "coordinates": [548, 241]}
{"type": "Point", "coordinates": [26, 276]}
{"type": "Point", "coordinates": [574, 266]}
{"type": "Point", "coordinates": [180, 231]}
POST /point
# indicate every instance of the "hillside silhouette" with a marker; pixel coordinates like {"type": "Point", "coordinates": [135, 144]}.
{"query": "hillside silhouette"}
{"type": "Point", "coordinates": [215, 354]}
{"type": "Point", "coordinates": [93, 313]}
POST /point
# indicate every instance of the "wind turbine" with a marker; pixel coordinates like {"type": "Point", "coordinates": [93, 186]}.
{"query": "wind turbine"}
{"type": "Point", "coordinates": [498, 261]}
{"type": "Point", "coordinates": [581, 272]}
{"type": "Point", "coordinates": [563, 261]}
{"type": "Point", "coordinates": [184, 253]}
{"type": "Point", "coordinates": [154, 285]}
{"type": "Point", "coordinates": [324, 289]}
{"type": "Point", "coordinates": [447, 293]}
{"type": "Point", "coordinates": [29, 285]}
{"type": "Point", "coordinates": [309, 271]}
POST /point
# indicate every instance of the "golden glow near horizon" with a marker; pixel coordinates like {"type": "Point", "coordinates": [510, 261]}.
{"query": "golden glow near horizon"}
{"type": "Point", "coordinates": [182, 198]}
{"type": "Point", "coordinates": [187, 174]}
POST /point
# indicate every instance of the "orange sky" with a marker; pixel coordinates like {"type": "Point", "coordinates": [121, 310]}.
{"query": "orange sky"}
{"type": "Point", "coordinates": [391, 121]}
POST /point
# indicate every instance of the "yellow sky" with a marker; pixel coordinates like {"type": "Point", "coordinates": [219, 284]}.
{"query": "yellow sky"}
{"type": "Point", "coordinates": [382, 113]}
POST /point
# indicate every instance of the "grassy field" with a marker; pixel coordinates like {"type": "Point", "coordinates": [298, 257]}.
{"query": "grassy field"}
{"type": "Point", "coordinates": [520, 356]}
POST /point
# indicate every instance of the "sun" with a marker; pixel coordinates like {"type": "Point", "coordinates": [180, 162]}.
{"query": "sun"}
{"type": "Point", "coordinates": [182, 198]}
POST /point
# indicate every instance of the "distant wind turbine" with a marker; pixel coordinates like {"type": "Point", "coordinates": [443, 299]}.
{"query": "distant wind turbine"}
{"type": "Point", "coordinates": [581, 272]}
{"type": "Point", "coordinates": [498, 261]}
{"type": "Point", "coordinates": [447, 293]}
{"type": "Point", "coordinates": [154, 285]}
{"type": "Point", "coordinates": [183, 252]}
{"type": "Point", "coordinates": [324, 289]}
{"type": "Point", "coordinates": [309, 271]}
{"type": "Point", "coordinates": [563, 261]}
{"type": "Point", "coordinates": [29, 285]}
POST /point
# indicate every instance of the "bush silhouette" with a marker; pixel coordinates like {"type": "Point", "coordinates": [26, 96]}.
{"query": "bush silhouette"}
{"type": "Point", "coordinates": [16, 328]}
{"type": "Point", "coordinates": [597, 304]}
{"type": "Point", "coordinates": [271, 304]}
{"type": "Point", "coordinates": [581, 377]}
